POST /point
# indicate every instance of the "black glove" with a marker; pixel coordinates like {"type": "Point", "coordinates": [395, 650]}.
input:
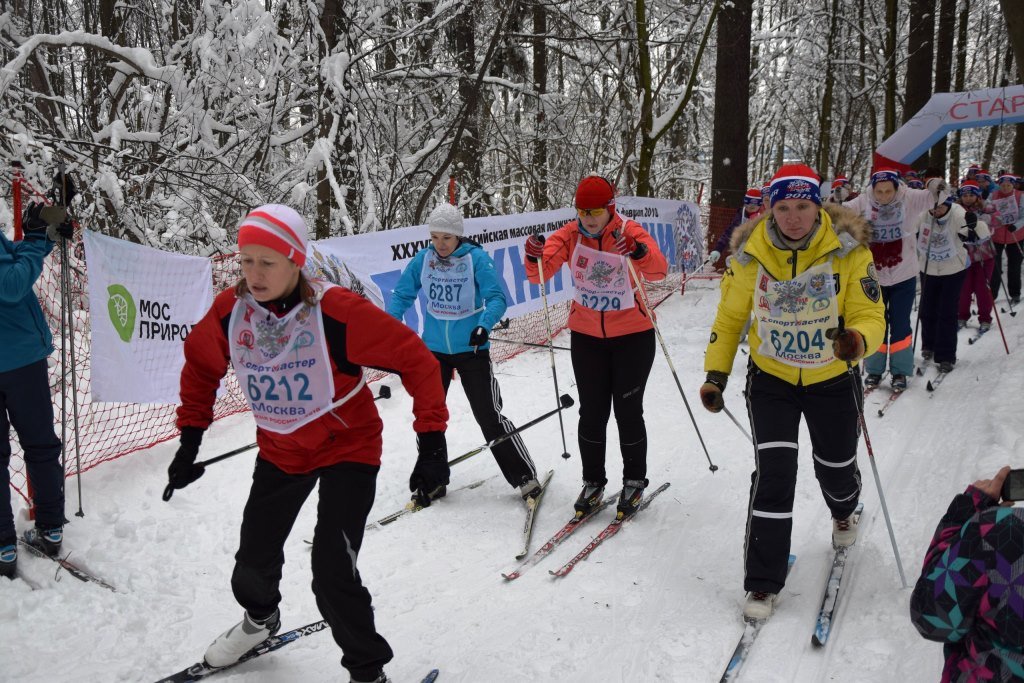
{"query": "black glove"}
{"type": "Point", "coordinates": [1010, 228]}
{"type": "Point", "coordinates": [711, 391]}
{"type": "Point", "coordinates": [430, 475]}
{"type": "Point", "coordinates": [478, 337]}
{"type": "Point", "coordinates": [66, 229]}
{"type": "Point", "coordinates": [184, 470]}
{"type": "Point", "coordinates": [32, 224]}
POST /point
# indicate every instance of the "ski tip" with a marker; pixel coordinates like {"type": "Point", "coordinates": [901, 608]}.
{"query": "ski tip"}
{"type": "Point", "coordinates": [817, 642]}
{"type": "Point", "coordinates": [431, 677]}
{"type": "Point", "coordinates": [511, 576]}
{"type": "Point", "coordinates": [881, 413]}
{"type": "Point", "coordinates": [929, 386]}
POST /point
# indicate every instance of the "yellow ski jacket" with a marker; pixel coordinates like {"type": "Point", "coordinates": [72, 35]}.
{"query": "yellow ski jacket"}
{"type": "Point", "coordinates": [843, 237]}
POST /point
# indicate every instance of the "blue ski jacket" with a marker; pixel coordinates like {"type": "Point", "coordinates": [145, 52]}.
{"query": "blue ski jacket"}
{"type": "Point", "coordinates": [24, 335]}
{"type": "Point", "coordinates": [452, 336]}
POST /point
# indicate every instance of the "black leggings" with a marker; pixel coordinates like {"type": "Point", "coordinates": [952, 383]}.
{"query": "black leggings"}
{"type": "Point", "coordinates": [612, 372]}
{"type": "Point", "coordinates": [346, 496]}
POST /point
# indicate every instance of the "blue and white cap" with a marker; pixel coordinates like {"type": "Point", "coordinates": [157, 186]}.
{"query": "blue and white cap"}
{"type": "Point", "coordinates": [795, 181]}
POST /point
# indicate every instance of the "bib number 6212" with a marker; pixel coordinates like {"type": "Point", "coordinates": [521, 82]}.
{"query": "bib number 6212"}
{"type": "Point", "coordinates": [265, 387]}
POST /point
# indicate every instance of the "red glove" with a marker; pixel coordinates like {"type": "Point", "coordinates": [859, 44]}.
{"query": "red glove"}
{"type": "Point", "coordinates": [535, 246]}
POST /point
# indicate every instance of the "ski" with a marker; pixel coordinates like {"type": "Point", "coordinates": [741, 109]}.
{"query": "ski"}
{"type": "Point", "coordinates": [571, 526]}
{"type": "Point", "coordinates": [413, 506]}
{"type": "Point", "coordinates": [201, 670]}
{"type": "Point", "coordinates": [531, 514]}
{"type": "Point", "coordinates": [934, 383]}
{"type": "Point", "coordinates": [430, 677]}
{"type": "Point", "coordinates": [889, 401]}
{"type": "Point", "coordinates": [751, 629]}
{"type": "Point", "coordinates": [608, 532]}
{"type": "Point", "coordinates": [979, 335]}
{"type": "Point", "coordinates": [70, 568]}
{"type": "Point", "coordinates": [823, 626]}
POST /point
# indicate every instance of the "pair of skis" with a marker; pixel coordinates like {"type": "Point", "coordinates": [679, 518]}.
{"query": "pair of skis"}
{"type": "Point", "coordinates": [201, 670]}
{"type": "Point", "coordinates": [73, 569]}
{"type": "Point", "coordinates": [826, 612]}
{"type": "Point", "coordinates": [570, 528]}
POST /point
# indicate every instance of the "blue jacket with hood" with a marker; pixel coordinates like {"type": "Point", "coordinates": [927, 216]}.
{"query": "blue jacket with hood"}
{"type": "Point", "coordinates": [24, 335]}
{"type": "Point", "coordinates": [452, 336]}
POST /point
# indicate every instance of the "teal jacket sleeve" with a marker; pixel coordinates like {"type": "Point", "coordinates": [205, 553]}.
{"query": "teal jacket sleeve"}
{"type": "Point", "coordinates": [404, 294]}
{"type": "Point", "coordinates": [20, 267]}
{"type": "Point", "coordinates": [488, 289]}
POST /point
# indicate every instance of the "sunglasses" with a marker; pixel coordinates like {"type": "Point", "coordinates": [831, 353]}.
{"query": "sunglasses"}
{"type": "Point", "coordinates": [591, 212]}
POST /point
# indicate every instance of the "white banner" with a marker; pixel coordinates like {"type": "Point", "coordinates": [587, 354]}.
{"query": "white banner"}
{"type": "Point", "coordinates": [946, 112]}
{"type": "Point", "coordinates": [373, 262]}
{"type": "Point", "coordinates": [143, 302]}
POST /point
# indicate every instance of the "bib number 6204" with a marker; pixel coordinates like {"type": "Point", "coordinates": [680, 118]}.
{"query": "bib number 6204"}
{"type": "Point", "coordinates": [787, 342]}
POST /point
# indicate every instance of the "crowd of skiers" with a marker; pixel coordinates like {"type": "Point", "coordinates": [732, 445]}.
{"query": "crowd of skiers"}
{"type": "Point", "coordinates": [828, 280]}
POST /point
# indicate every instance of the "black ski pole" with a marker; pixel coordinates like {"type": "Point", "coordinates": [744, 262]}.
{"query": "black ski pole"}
{"type": "Point", "coordinates": [565, 401]}
{"type": "Point", "coordinates": [384, 392]}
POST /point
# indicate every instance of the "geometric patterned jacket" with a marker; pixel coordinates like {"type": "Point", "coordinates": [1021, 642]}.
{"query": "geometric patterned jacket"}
{"type": "Point", "coordinates": [971, 592]}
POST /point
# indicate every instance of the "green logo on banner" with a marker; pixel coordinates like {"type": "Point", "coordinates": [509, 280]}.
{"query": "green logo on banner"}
{"type": "Point", "coordinates": [121, 308]}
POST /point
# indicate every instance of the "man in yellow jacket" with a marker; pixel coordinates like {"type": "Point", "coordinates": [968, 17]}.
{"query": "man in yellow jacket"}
{"type": "Point", "coordinates": [807, 277]}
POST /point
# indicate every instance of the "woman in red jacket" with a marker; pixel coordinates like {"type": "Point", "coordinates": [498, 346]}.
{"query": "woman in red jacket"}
{"type": "Point", "coordinates": [297, 347]}
{"type": "Point", "coordinates": [612, 333]}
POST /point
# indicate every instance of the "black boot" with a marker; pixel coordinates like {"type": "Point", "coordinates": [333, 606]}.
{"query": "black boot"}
{"type": "Point", "coordinates": [590, 497]}
{"type": "Point", "coordinates": [631, 496]}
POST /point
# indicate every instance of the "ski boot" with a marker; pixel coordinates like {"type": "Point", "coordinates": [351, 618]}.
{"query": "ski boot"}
{"type": "Point", "coordinates": [590, 497]}
{"type": "Point", "coordinates": [530, 490]}
{"type": "Point", "coordinates": [759, 605]}
{"type": "Point", "coordinates": [946, 366]}
{"type": "Point", "coordinates": [872, 381]}
{"type": "Point", "coordinates": [899, 382]}
{"type": "Point", "coordinates": [47, 540]}
{"type": "Point", "coordinates": [8, 559]}
{"type": "Point", "coordinates": [381, 678]}
{"type": "Point", "coordinates": [844, 531]}
{"type": "Point", "coordinates": [629, 499]}
{"type": "Point", "coordinates": [240, 638]}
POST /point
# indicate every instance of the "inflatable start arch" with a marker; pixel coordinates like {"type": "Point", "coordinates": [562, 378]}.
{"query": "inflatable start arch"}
{"type": "Point", "coordinates": [946, 112]}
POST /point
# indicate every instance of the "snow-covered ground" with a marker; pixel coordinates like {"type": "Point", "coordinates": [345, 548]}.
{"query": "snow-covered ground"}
{"type": "Point", "coordinates": [661, 601]}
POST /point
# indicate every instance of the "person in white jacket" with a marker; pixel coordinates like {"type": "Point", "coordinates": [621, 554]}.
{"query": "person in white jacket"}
{"type": "Point", "coordinates": [892, 209]}
{"type": "Point", "coordinates": [941, 233]}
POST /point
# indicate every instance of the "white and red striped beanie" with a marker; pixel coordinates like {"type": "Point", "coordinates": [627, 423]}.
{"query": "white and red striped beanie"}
{"type": "Point", "coordinates": [795, 181]}
{"type": "Point", "coordinates": [277, 227]}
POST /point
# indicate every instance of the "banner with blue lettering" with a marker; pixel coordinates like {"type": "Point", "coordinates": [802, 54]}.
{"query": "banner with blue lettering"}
{"type": "Point", "coordinates": [372, 263]}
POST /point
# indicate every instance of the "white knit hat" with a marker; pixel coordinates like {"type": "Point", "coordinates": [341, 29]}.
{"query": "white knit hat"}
{"type": "Point", "coordinates": [447, 219]}
{"type": "Point", "coordinates": [278, 227]}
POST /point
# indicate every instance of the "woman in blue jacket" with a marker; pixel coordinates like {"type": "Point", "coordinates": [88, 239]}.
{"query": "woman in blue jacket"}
{"type": "Point", "coordinates": [463, 301]}
{"type": "Point", "coordinates": [25, 402]}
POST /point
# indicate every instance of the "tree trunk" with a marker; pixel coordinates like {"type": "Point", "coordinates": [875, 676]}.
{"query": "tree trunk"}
{"type": "Point", "coordinates": [1015, 26]}
{"type": "Point", "coordinates": [919, 63]}
{"type": "Point", "coordinates": [467, 152]}
{"type": "Point", "coordinates": [825, 120]}
{"type": "Point", "coordinates": [891, 21]}
{"type": "Point", "coordinates": [993, 132]}
{"type": "Point", "coordinates": [958, 83]}
{"type": "Point", "coordinates": [943, 70]}
{"type": "Point", "coordinates": [540, 87]}
{"type": "Point", "coordinates": [731, 116]}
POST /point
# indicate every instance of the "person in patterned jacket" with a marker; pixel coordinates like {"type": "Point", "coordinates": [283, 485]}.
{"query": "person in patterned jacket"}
{"type": "Point", "coordinates": [969, 594]}
{"type": "Point", "coordinates": [298, 347]}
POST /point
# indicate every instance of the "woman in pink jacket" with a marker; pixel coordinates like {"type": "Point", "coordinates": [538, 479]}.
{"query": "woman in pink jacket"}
{"type": "Point", "coordinates": [1008, 206]}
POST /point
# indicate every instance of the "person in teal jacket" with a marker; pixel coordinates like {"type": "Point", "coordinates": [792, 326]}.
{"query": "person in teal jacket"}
{"type": "Point", "coordinates": [25, 402]}
{"type": "Point", "coordinates": [463, 300]}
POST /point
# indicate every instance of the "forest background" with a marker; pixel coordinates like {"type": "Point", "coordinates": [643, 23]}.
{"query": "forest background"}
{"type": "Point", "coordinates": [176, 116]}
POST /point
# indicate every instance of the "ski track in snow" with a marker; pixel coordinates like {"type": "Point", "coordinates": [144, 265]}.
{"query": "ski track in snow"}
{"type": "Point", "coordinates": [659, 601]}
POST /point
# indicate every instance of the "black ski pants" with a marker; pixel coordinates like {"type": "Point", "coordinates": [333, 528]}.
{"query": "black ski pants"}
{"type": "Point", "coordinates": [940, 299]}
{"type": "Point", "coordinates": [25, 404]}
{"type": "Point", "coordinates": [1014, 257]}
{"type": "Point", "coordinates": [775, 406]}
{"type": "Point", "coordinates": [481, 387]}
{"type": "Point", "coordinates": [612, 373]}
{"type": "Point", "coordinates": [346, 496]}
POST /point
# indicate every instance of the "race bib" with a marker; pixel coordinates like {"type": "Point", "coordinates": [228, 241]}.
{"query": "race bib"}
{"type": "Point", "coordinates": [935, 244]}
{"type": "Point", "coordinates": [448, 285]}
{"type": "Point", "coordinates": [793, 315]}
{"type": "Point", "coordinates": [887, 222]}
{"type": "Point", "coordinates": [283, 364]}
{"type": "Point", "coordinates": [1007, 209]}
{"type": "Point", "coordinates": [601, 279]}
